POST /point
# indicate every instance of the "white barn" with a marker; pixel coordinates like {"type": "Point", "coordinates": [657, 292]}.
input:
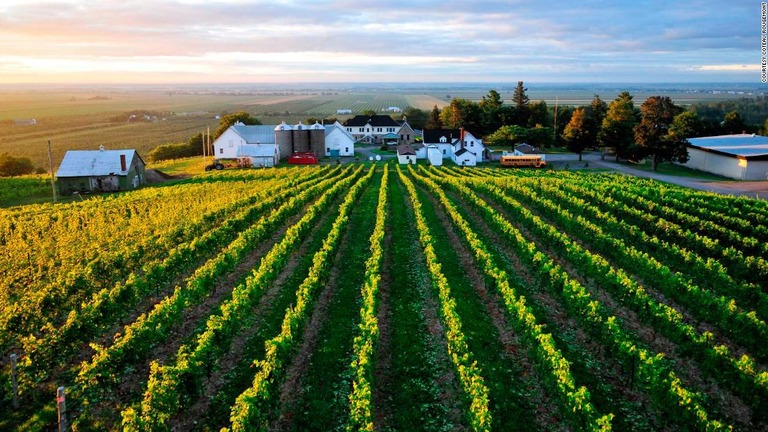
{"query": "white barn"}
{"type": "Point", "coordinates": [451, 142]}
{"type": "Point", "coordinates": [338, 141]}
{"type": "Point", "coordinates": [227, 145]}
{"type": "Point", "coordinates": [740, 156]}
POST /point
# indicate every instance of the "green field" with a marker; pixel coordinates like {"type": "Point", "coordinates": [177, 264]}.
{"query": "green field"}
{"type": "Point", "coordinates": [361, 297]}
{"type": "Point", "coordinates": [86, 118]}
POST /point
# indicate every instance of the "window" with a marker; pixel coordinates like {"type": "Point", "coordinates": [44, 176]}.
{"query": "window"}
{"type": "Point", "coordinates": [346, 149]}
{"type": "Point", "coordinates": [221, 150]}
{"type": "Point", "coordinates": [443, 152]}
{"type": "Point", "coordinates": [408, 137]}
{"type": "Point", "coordinates": [378, 129]}
{"type": "Point", "coordinates": [349, 129]}
{"type": "Point", "coordinates": [368, 129]}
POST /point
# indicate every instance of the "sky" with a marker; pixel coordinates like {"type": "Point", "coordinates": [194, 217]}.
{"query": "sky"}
{"type": "Point", "coordinates": [338, 41]}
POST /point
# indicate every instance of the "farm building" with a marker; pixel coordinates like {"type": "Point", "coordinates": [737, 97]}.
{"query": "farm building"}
{"type": "Point", "coordinates": [100, 171]}
{"type": "Point", "coordinates": [300, 138]}
{"type": "Point", "coordinates": [258, 155]}
{"type": "Point", "coordinates": [406, 154]}
{"type": "Point", "coordinates": [740, 157]}
{"type": "Point", "coordinates": [464, 157]}
{"type": "Point", "coordinates": [434, 155]}
{"type": "Point", "coordinates": [373, 128]}
{"type": "Point", "coordinates": [338, 142]}
{"type": "Point", "coordinates": [527, 150]}
{"type": "Point", "coordinates": [227, 144]}
{"type": "Point", "coordinates": [450, 141]}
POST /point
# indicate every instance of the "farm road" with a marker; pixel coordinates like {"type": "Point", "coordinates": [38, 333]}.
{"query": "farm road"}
{"type": "Point", "coordinates": [752, 189]}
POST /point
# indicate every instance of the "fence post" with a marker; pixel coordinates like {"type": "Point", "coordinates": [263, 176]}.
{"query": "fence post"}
{"type": "Point", "coordinates": [61, 404]}
{"type": "Point", "coordinates": [15, 382]}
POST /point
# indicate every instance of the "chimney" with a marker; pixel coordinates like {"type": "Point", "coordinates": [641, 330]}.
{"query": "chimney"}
{"type": "Point", "coordinates": [461, 136]}
{"type": "Point", "coordinates": [122, 163]}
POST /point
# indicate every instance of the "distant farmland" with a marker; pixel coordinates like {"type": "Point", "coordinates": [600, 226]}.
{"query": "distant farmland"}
{"type": "Point", "coordinates": [87, 118]}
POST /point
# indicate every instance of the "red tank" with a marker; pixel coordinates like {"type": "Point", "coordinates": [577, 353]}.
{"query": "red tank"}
{"type": "Point", "coordinates": [302, 158]}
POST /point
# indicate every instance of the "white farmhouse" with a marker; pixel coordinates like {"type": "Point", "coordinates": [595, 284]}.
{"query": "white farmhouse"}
{"type": "Point", "coordinates": [378, 129]}
{"type": "Point", "coordinates": [450, 142]}
{"type": "Point", "coordinates": [740, 156]}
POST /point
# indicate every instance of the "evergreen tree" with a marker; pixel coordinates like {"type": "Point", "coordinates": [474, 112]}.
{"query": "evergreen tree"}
{"type": "Point", "coordinates": [521, 101]}
{"type": "Point", "coordinates": [491, 108]}
{"type": "Point", "coordinates": [653, 135]}
{"type": "Point", "coordinates": [538, 114]}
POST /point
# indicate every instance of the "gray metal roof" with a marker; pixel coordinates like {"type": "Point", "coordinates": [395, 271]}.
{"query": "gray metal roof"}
{"type": "Point", "coordinates": [87, 163]}
{"type": "Point", "coordinates": [744, 145]}
{"type": "Point", "coordinates": [252, 134]}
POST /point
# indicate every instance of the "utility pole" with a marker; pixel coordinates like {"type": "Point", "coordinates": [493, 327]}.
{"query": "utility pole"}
{"type": "Point", "coordinates": [205, 147]}
{"type": "Point", "coordinates": [50, 164]}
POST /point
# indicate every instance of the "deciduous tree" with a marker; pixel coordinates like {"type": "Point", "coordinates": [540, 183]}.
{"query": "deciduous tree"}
{"type": "Point", "coordinates": [433, 120]}
{"type": "Point", "coordinates": [618, 125]}
{"type": "Point", "coordinates": [653, 135]}
{"type": "Point", "coordinates": [578, 133]}
{"type": "Point", "coordinates": [230, 119]}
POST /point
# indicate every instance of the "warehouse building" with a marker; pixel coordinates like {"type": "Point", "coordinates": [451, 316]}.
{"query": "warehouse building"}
{"type": "Point", "coordinates": [740, 157]}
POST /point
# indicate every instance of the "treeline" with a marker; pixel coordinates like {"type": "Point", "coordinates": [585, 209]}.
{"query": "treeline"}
{"type": "Point", "coordinates": [11, 166]}
{"type": "Point", "coordinates": [194, 146]}
{"type": "Point", "coordinates": [656, 130]}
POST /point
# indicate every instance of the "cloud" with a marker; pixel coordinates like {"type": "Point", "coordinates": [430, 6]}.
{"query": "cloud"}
{"type": "Point", "coordinates": [442, 40]}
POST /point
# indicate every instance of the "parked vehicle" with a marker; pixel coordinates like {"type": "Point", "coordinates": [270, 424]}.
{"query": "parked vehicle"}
{"type": "Point", "coordinates": [523, 161]}
{"type": "Point", "coordinates": [302, 158]}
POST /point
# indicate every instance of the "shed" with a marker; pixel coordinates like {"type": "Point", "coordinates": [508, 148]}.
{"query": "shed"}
{"type": "Point", "coordinates": [100, 171]}
{"type": "Point", "coordinates": [258, 155]}
{"type": "Point", "coordinates": [464, 157]}
{"type": "Point", "coordinates": [740, 156]}
{"type": "Point", "coordinates": [434, 155]}
{"type": "Point", "coordinates": [406, 154]}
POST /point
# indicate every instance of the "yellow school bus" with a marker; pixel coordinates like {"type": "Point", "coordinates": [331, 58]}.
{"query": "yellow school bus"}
{"type": "Point", "coordinates": [523, 161]}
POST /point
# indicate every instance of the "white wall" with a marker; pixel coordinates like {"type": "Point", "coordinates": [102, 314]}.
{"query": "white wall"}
{"type": "Point", "coordinates": [225, 146]}
{"type": "Point", "coordinates": [435, 156]}
{"type": "Point", "coordinates": [338, 140]}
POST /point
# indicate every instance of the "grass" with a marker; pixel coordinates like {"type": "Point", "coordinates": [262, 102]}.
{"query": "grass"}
{"type": "Point", "coordinates": [180, 167]}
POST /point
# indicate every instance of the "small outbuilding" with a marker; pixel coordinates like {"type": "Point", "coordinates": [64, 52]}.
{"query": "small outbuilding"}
{"type": "Point", "coordinates": [740, 156]}
{"type": "Point", "coordinates": [406, 154]}
{"type": "Point", "coordinates": [100, 171]}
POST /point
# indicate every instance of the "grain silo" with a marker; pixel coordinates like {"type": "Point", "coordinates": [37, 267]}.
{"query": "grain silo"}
{"type": "Point", "coordinates": [301, 138]}
{"type": "Point", "coordinates": [284, 139]}
{"type": "Point", "coordinates": [317, 139]}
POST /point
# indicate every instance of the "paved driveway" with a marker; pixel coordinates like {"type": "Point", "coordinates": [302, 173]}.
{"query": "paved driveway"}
{"type": "Point", "coordinates": [753, 189]}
